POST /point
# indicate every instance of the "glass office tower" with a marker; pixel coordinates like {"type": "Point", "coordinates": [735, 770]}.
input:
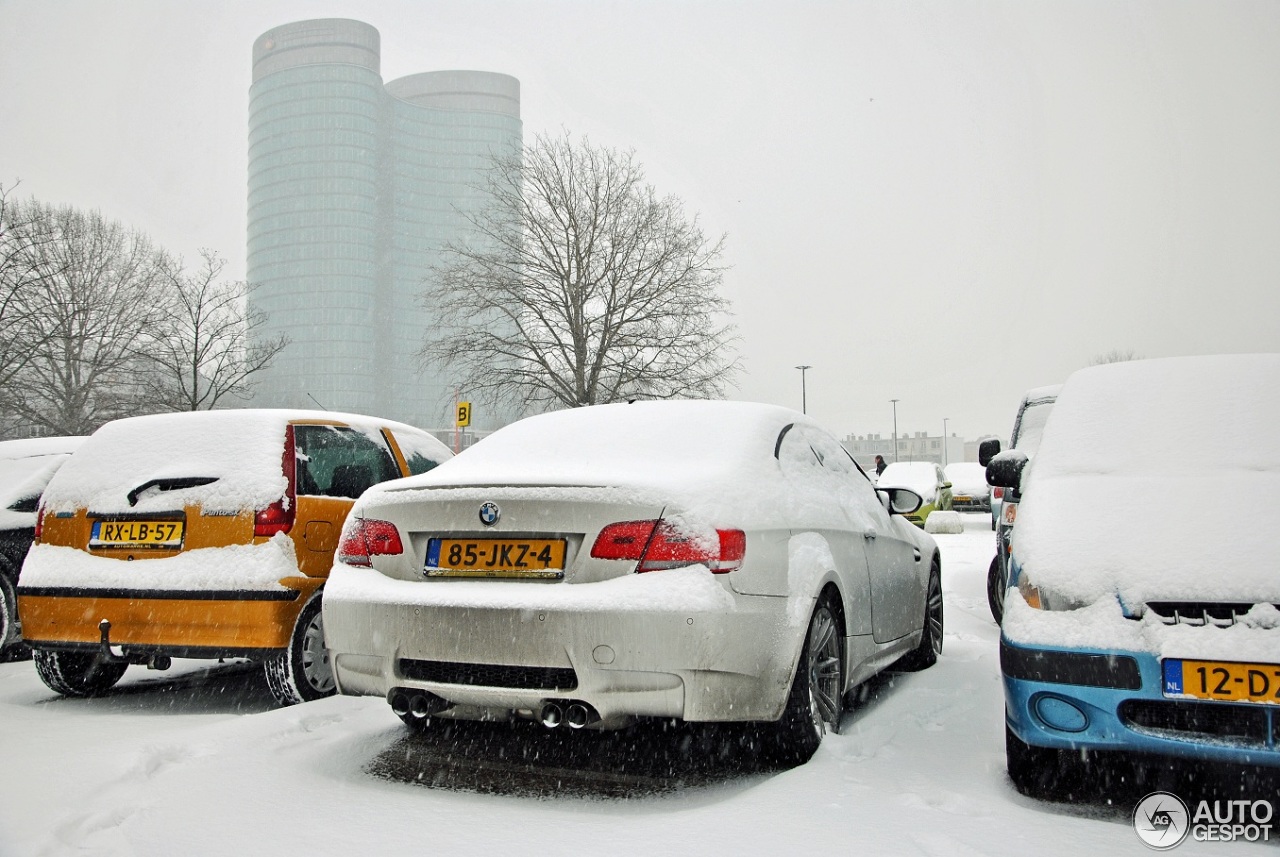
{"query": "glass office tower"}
{"type": "Point", "coordinates": [354, 186]}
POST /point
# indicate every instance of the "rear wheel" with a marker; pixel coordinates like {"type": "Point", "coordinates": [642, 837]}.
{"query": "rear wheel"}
{"type": "Point", "coordinates": [926, 653]}
{"type": "Point", "coordinates": [302, 672]}
{"type": "Point", "coordinates": [816, 701]}
{"type": "Point", "coordinates": [995, 589]}
{"type": "Point", "coordinates": [8, 617]}
{"type": "Point", "coordinates": [77, 673]}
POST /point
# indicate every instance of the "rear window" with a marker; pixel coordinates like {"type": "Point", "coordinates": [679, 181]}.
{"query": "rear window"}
{"type": "Point", "coordinates": [238, 451]}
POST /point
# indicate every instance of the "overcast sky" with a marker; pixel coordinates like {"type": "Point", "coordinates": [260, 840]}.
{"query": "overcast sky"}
{"type": "Point", "coordinates": [943, 203]}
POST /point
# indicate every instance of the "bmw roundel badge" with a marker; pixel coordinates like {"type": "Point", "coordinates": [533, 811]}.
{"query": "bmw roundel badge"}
{"type": "Point", "coordinates": [489, 514]}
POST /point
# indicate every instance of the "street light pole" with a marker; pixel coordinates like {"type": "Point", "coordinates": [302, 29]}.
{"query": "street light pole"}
{"type": "Point", "coordinates": [944, 441]}
{"type": "Point", "coordinates": [804, 404]}
{"type": "Point", "coordinates": [895, 429]}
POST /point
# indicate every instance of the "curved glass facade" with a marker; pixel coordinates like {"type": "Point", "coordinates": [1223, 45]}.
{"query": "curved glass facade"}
{"type": "Point", "coordinates": [354, 186]}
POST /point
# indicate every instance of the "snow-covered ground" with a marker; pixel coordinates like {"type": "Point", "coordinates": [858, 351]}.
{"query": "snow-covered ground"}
{"type": "Point", "coordinates": [199, 761]}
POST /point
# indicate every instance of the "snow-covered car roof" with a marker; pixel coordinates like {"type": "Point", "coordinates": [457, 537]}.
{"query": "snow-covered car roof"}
{"type": "Point", "coordinates": [25, 468]}
{"type": "Point", "coordinates": [1146, 478]}
{"type": "Point", "coordinates": [240, 449]}
{"type": "Point", "coordinates": [704, 454]}
{"type": "Point", "coordinates": [967, 477]}
{"type": "Point", "coordinates": [920, 476]}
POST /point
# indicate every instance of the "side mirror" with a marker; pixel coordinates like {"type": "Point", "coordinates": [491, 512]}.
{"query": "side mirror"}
{"type": "Point", "coordinates": [988, 450]}
{"type": "Point", "coordinates": [900, 501]}
{"type": "Point", "coordinates": [946, 484]}
{"type": "Point", "coordinates": [1005, 470]}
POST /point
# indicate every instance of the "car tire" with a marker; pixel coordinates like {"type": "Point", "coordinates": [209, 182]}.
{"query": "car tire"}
{"type": "Point", "coordinates": [996, 586]}
{"type": "Point", "coordinates": [1042, 772]}
{"type": "Point", "coordinates": [816, 700]}
{"type": "Point", "coordinates": [926, 653]}
{"type": "Point", "coordinates": [77, 674]}
{"type": "Point", "coordinates": [8, 614]}
{"type": "Point", "coordinates": [302, 672]}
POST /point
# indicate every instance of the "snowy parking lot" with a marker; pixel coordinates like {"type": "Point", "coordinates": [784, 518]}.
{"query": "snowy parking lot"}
{"type": "Point", "coordinates": [199, 760]}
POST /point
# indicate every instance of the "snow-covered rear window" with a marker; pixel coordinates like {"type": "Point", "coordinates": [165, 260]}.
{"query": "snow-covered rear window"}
{"type": "Point", "coordinates": [660, 443]}
{"type": "Point", "coordinates": [240, 451]}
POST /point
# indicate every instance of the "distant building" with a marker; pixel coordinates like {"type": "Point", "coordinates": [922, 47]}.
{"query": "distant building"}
{"type": "Point", "coordinates": [911, 447]}
{"type": "Point", "coordinates": [354, 186]}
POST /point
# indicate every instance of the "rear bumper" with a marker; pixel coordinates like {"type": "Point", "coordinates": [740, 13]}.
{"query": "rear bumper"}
{"type": "Point", "coordinates": [513, 646]}
{"type": "Point", "coordinates": [1106, 701]}
{"type": "Point", "coordinates": [176, 623]}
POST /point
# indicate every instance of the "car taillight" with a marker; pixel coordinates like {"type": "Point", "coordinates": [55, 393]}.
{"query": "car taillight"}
{"type": "Point", "coordinates": [279, 516]}
{"type": "Point", "coordinates": [276, 518]}
{"type": "Point", "coordinates": [997, 493]}
{"type": "Point", "coordinates": [367, 538]}
{"type": "Point", "coordinates": [39, 524]}
{"type": "Point", "coordinates": [659, 545]}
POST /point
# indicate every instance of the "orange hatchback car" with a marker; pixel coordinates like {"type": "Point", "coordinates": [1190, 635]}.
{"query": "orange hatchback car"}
{"type": "Point", "coordinates": [202, 535]}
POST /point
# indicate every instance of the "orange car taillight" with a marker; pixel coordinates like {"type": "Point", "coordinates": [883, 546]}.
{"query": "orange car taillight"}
{"type": "Point", "coordinates": [366, 538]}
{"type": "Point", "coordinates": [659, 545]}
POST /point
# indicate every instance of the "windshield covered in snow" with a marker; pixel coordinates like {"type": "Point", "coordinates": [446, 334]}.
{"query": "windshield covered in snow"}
{"type": "Point", "coordinates": [1030, 427]}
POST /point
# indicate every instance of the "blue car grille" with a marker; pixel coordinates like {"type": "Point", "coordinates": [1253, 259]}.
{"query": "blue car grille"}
{"type": "Point", "coordinates": [1257, 726]}
{"type": "Point", "coordinates": [1219, 613]}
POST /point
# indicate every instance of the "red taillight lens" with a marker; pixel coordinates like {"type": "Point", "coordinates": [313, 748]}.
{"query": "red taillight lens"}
{"type": "Point", "coordinates": [279, 516]}
{"type": "Point", "coordinates": [367, 538]}
{"type": "Point", "coordinates": [997, 493]}
{"type": "Point", "coordinates": [276, 518]}
{"type": "Point", "coordinates": [658, 545]}
{"type": "Point", "coordinates": [39, 523]}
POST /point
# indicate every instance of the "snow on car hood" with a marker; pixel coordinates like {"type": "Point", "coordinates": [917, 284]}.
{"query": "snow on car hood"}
{"type": "Point", "coordinates": [1137, 492]}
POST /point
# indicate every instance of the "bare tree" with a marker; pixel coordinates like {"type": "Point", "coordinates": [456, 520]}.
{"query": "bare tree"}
{"type": "Point", "coordinates": [208, 350]}
{"type": "Point", "coordinates": [1115, 355]}
{"type": "Point", "coordinates": [580, 286]}
{"type": "Point", "coordinates": [19, 285]}
{"type": "Point", "coordinates": [99, 293]}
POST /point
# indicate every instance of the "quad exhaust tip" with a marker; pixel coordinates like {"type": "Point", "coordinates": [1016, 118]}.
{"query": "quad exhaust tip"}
{"type": "Point", "coordinates": [419, 705]}
{"type": "Point", "coordinates": [574, 714]}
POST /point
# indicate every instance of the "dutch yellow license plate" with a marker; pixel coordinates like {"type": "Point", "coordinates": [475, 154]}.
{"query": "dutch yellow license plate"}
{"type": "Point", "coordinates": [136, 534]}
{"type": "Point", "coordinates": [1222, 680]}
{"type": "Point", "coordinates": [541, 559]}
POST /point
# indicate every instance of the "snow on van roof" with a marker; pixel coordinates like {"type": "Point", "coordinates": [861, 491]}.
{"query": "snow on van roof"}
{"type": "Point", "coordinates": [33, 446]}
{"type": "Point", "coordinates": [1146, 478]}
{"type": "Point", "coordinates": [241, 449]}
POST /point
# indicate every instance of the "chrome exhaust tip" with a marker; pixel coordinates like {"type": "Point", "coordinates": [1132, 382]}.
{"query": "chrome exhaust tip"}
{"type": "Point", "coordinates": [421, 707]}
{"type": "Point", "coordinates": [552, 715]}
{"type": "Point", "coordinates": [400, 704]}
{"type": "Point", "coordinates": [579, 715]}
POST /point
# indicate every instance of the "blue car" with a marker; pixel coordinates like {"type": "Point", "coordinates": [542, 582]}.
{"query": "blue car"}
{"type": "Point", "coordinates": [1149, 623]}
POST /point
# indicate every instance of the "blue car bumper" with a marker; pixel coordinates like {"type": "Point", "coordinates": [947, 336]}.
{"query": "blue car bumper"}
{"type": "Point", "coordinates": [1114, 701]}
